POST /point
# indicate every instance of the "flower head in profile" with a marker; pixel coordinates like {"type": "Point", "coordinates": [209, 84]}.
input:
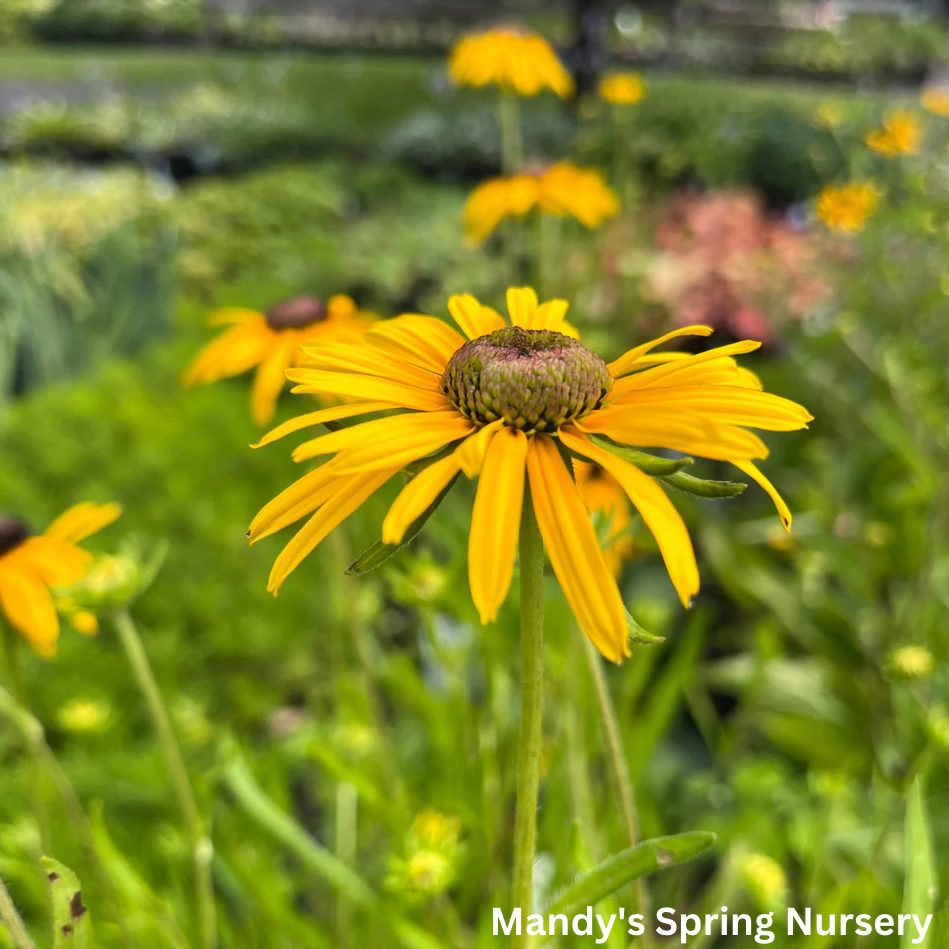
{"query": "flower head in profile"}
{"type": "Point", "coordinates": [604, 497]}
{"type": "Point", "coordinates": [622, 88]}
{"type": "Point", "coordinates": [34, 567]}
{"type": "Point", "coordinates": [936, 101]}
{"type": "Point", "coordinates": [509, 402]}
{"type": "Point", "coordinates": [900, 134]}
{"type": "Point", "coordinates": [563, 190]}
{"type": "Point", "coordinates": [515, 59]}
{"type": "Point", "coordinates": [847, 207]}
{"type": "Point", "coordinates": [270, 343]}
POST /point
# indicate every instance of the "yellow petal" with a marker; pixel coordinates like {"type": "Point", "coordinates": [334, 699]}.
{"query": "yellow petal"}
{"type": "Point", "coordinates": [471, 451]}
{"type": "Point", "coordinates": [550, 316]}
{"type": "Point", "coordinates": [495, 520]}
{"type": "Point", "coordinates": [675, 428]}
{"type": "Point", "coordinates": [473, 319]}
{"type": "Point", "coordinates": [56, 562]}
{"type": "Point", "coordinates": [521, 306]}
{"type": "Point", "coordinates": [627, 361]}
{"type": "Point", "coordinates": [574, 551]}
{"type": "Point", "coordinates": [651, 376]}
{"type": "Point", "coordinates": [420, 340]}
{"type": "Point", "coordinates": [349, 496]}
{"type": "Point", "coordinates": [726, 404]}
{"type": "Point", "coordinates": [411, 438]}
{"type": "Point", "coordinates": [332, 414]}
{"type": "Point", "coordinates": [370, 361]}
{"type": "Point", "coordinates": [269, 381]}
{"type": "Point", "coordinates": [784, 512]}
{"type": "Point", "coordinates": [28, 605]}
{"type": "Point", "coordinates": [353, 386]}
{"type": "Point", "coordinates": [656, 509]}
{"type": "Point", "coordinates": [82, 521]}
{"type": "Point", "coordinates": [236, 314]}
{"type": "Point", "coordinates": [234, 352]}
{"type": "Point", "coordinates": [416, 496]}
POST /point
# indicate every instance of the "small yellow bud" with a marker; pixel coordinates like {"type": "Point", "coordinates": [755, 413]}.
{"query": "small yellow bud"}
{"type": "Point", "coordinates": [84, 716]}
{"type": "Point", "coordinates": [764, 880]}
{"type": "Point", "coordinates": [911, 662]}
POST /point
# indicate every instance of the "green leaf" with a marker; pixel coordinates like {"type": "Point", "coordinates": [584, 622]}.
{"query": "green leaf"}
{"type": "Point", "coordinates": [72, 927]}
{"type": "Point", "coordinates": [700, 488]}
{"type": "Point", "coordinates": [639, 635]}
{"type": "Point", "coordinates": [629, 865]}
{"type": "Point", "coordinates": [379, 552]}
{"type": "Point", "coordinates": [648, 464]}
{"type": "Point", "coordinates": [919, 887]}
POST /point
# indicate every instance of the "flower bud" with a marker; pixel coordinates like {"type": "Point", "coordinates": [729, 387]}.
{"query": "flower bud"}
{"type": "Point", "coordinates": [764, 880]}
{"type": "Point", "coordinates": [910, 662]}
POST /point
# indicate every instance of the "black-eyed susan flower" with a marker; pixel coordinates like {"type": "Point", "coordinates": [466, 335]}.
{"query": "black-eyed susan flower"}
{"type": "Point", "coordinates": [900, 134]}
{"type": "Point", "coordinates": [604, 496]}
{"type": "Point", "coordinates": [563, 190]}
{"type": "Point", "coordinates": [847, 207]}
{"type": "Point", "coordinates": [502, 401]}
{"type": "Point", "coordinates": [622, 88]}
{"type": "Point", "coordinates": [515, 59]}
{"type": "Point", "coordinates": [936, 101]}
{"type": "Point", "coordinates": [33, 568]}
{"type": "Point", "coordinates": [271, 342]}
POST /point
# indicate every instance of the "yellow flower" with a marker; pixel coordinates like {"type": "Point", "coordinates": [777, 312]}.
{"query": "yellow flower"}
{"type": "Point", "coordinates": [32, 567]}
{"type": "Point", "coordinates": [622, 88]}
{"type": "Point", "coordinates": [84, 715]}
{"type": "Point", "coordinates": [900, 134]}
{"type": "Point", "coordinates": [506, 402]}
{"type": "Point", "coordinates": [271, 341]}
{"type": "Point", "coordinates": [911, 662]}
{"type": "Point", "coordinates": [514, 59]}
{"type": "Point", "coordinates": [601, 492]}
{"type": "Point", "coordinates": [563, 190]}
{"type": "Point", "coordinates": [847, 207]}
{"type": "Point", "coordinates": [935, 101]}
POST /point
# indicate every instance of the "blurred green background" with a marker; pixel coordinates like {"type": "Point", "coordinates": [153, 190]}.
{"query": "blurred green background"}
{"type": "Point", "coordinates": [141, 187]}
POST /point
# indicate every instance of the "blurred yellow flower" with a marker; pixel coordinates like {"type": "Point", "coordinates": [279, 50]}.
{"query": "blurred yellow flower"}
{"type": "Point", "coordinates": [602, 493]}
{"type": "Point", "coordinates": [765, 880]}
{"type": "Point", "coordinates": [622, 88]}
{"type": "Point", "coordinates": [911, 662]}
{"type": "Point", "coordinates": [563, 190]}
{"type": "Point", "coordinates": [901, 134]}
{"type": "Point", "coordinates": [271, 341]}
{"type": "Point", "coordinates": [434, 851]}
{"type": "Point", "coordinates": [847, 207]}
{"type": "Point", "coordinates": [31, 567]}
{"type": "Point", "coordinates": [496, 404]}
{"type": "Point", "coordinates": [84, 715]}
{"type": "Point", "coordinates": [515, 59]}
{"type": "Point", "coordinates": [935, 101]}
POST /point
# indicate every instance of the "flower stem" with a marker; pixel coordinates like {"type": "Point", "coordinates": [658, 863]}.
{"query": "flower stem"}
{"type": "Point", "coordinates": [202, 848]}
{"type": "Point", "coordinates": [532, 708]}
{"type": "Point", "coordinates": [619, 769]}
{"type": "Point", "coordinates": [512, 143]}
{"type": "Point", "coordinates": [9, 915]}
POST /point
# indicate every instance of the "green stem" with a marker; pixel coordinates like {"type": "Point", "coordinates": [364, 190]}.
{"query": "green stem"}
{"type": "Point", "coordinates": [619, 769]}
{"type": "Point", "coordinates": [532, 709]}
{"type": "Point", "coordinates": [11, 642]}
{"type": "Point", "coordinates": [512, 143]}
{"type": "Point", "coordinates": [202, 848]}
{"type": "Point", "coordinates": [9, 915]}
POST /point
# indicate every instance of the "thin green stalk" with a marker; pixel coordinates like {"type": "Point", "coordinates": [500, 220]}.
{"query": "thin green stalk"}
{"type": "Point", "coordinates": [512, 143]}
{"type": "Point", "coordinates": [532, 709]}
{"type": "Point", "coordinates": [619, 769]}
{"type": "Point", "coordinates": [202, 848]}
{"type": "Point", "coordinates": [346, 804]}
{"type": "Point", "coordinates": [9, 915]}
{"type": "Point", "coordinates": [11, 644]}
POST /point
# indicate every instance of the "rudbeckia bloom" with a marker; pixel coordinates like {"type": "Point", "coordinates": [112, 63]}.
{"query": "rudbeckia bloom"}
{"type": "Point", "coordinates": [847, 207]}
{"type": "Point", "coordinates": [504, 400]}
{"type": "Point", "coordinates": [271, 341]}
{"type": "Point", "coordinates": [900, 135]}
{"type": "Point", "coordinates": [33, 567]}
{"type": "Point", "coordinates": [516, 60]}
{"type": "Point", "coordinates": [563, 190]}
{"type": "Point", "coordinates": [622, 88]}
{"type": "Point", "coordinates": [604, 495]}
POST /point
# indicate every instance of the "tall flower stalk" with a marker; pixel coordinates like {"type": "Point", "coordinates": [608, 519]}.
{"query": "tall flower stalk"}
{"type": "Point", "coordinates": [201, 847]}
{"type": "Point", "coordinates": [9, 916]}
{"type": "Point", "coordinates": [532, 708]}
